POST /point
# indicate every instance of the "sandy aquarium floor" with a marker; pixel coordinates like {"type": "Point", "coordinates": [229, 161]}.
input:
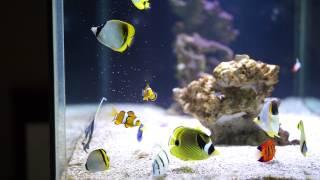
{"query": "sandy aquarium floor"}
{"type": "Point", "coordinates": [130, 159]}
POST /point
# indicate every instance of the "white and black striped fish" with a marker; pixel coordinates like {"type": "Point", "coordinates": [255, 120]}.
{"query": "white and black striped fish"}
{"type": "Point", "coordinates": [160, 163]}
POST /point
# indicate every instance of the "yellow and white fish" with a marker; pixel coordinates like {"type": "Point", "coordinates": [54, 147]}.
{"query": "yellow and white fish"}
{"type": "Point", "coordinates": [141, 4]}
{"type": "Point", "coordinates": [97, 160]}
{"type": "Point", "coordinates": [191, 144]}
{"type": "Point", "coordinates": [160, 163]}
{"type": "Point", "coordinates": [303, 145]}
{"type": "Point", "coordinates": [115, 34]}
{"type": "Point", "coordinates": [148, 94]}
{"type": "Point", "coordinates": [268, 119]}
{"type": "Point", "coordinates": [129, 119]}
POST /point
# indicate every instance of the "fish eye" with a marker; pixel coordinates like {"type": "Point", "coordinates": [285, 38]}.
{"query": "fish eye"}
{"type": "Point", "coordinates": [177, 143]}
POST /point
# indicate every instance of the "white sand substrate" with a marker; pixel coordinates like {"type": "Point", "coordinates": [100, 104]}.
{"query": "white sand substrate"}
{"type": "Point", "coordinates": [130, 159]}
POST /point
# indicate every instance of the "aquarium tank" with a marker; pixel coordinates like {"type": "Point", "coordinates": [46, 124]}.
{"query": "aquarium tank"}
{"type": "Point", "coordinates": [187, 89]}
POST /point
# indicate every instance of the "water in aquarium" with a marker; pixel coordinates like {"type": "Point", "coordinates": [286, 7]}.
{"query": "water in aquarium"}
{"type": "Point", "coordinates": [187, 89]}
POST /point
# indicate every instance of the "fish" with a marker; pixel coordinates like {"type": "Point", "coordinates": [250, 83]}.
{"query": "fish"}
{"type": "Point", "coordinates": [89, 130]}
{"type": "Point", "coordinates": [191, 144]}
{"type": "Point", "coordinates": [140, 132]}
{"type": "Point", "coordinates": [268, 119]}
{"type": "Point", "coordinates": [160, 163]}
{"type": "Point", "coordinates": [141, 4]}
{"type": "Point", "coordinates": [148, 94]}
{"type": "Point", "coordinates": [97, 160]}
{"type": "Point", "coordinates": [129, 119]}
{"type": "Point", "coordinates": [88, 136]}
{"type": "Point", "coordinates": [267, 151]}
{"type": "Point", "coordinates": [296, 67]}
{"type": "Point", "coordinates": [303, 145]}
{"type": "Point", "coordinates": [115, 34]}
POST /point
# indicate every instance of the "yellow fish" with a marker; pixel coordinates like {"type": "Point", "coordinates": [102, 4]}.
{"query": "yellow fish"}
{"type": "Point", "coordinates": [129, 119]}
{"type": "Point", "coordinates": [303, 145]}
{"type": "Point", "coordinates": [191, 144]}
{"type": "Point", "coordinates": [148, 94]}
{"type": "Point", "coordinates": [115, 34]}
{"type": "Point", "coordinates": [141, 4]}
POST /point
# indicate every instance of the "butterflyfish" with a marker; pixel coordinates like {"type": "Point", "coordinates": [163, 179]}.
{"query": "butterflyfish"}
{"type": "Point", "coordinates": [148, 94]}
{"type": "Point", "coordinates": [129, 119]}
{"type": "Point", "coordinates": [97, 160]}
{"type": "Point", "coordinates": [160, 163]}
{"type": "Point", "coordinates": [296, 67]}
{"type": "Point", "coordinates": [267, 151]}
{"type": "Point", "coordinates": [141, 4]}
{"type": "Point", "coordinates": [303, 145]}
{"type": "Point", "coordinates": [268, 119]}
{"type": "Point", "coordinates": [89, 130]}
{"type": "Point", "coordinates": [191, 144]}
{"type": "Point", "coordinates": [115, 34]}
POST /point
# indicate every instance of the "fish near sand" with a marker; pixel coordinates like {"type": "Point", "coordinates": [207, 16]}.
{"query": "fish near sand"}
{"type": "Point", "coordinates": [160, 163]}
{"type": "Point", "coordinates": [191, 144]}
{"type": "Point", "coordinates": [89, 130]}
{"type": "Point", "coordinates": [97, 160]}
{"type": "Point", "coordinates": [267, 151]}
{"type": "Point", "coordinates": [303, 145]}
{"type": "Point", "coordinates": [129, 119]}
{"type": "Point", "coordinates": [115, 34]}
{"type": "Point", "coordinates": [268, 119]}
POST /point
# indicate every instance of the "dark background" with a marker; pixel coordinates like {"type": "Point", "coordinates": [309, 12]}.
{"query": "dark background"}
{"type": "Point", "coordinates": [268, 32]}
{"type": "Point", "coordinates": [26, 84]}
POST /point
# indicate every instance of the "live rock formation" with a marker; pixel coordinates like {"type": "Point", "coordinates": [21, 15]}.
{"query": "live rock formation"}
{"type": "Point", "coordinates": [227, 101]}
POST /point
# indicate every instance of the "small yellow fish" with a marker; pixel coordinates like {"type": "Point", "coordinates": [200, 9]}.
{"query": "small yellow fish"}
{"type": "Point", "coordinates": [303, 145]}
{"type": "Point", "coordinates": [141, 4]}
{"type": "Point", "coordinates": [129, 119]}
{"type": "Point", "coordinates": [191, 144]}
{"type": "Point", "coordinates": [115, 34]}
{"type": "Point", "coordinates": [97, 160]}
{"type": "Point", "coordinates": [148, 94]}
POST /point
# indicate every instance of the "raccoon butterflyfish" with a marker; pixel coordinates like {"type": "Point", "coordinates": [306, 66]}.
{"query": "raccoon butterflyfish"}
{"type": "Point", "coordinates": [140, 132]}
{"type": "Point", "coordinates": [115, 34]}
{"type": "Point", "coordinates": [160, 163]}
{"type": "Point", "coordinates": [97, 160]}
{"type": "Point", "coordinates": [141, 4]}
{"type": "Point", "coordinates": [296, 67]}
{"type": "Point", "coordinates": [191, 144]}
{"type": "Point", "coordinates": [303, 145]}
{"type": "Point", "coordinates": [148, 94]}
{"type": "Point", "coordinates": [268, 119]}
{"type": "Point", "coordinates": [129, 119]}
{"type": "Point", "coordinates": [90, 128]}
{"type": "Point", "coordinates": [267, 151]}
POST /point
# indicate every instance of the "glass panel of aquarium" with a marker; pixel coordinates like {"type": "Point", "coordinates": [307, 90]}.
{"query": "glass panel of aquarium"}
{"type": "Point", "coordinates": [187, 89]}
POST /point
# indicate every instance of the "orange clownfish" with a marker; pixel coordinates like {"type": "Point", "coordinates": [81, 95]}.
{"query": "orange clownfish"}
{"type": "Point", "coordinates": [267, 151]}
{"type": "Point", "coordinates": [129, 119]}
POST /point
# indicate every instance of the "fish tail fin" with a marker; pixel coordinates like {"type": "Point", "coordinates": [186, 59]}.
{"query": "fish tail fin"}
{"type": "Point", "coordinates": [216, 152]}
{"type": "Point", "coordinates": [113, 112]}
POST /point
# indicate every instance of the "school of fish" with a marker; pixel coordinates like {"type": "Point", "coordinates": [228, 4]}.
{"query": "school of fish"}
{"type": "Point", "coordinates": [185, 143]}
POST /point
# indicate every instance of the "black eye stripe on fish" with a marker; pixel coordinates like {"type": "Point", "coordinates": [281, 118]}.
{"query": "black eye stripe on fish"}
{"type": "Point", "coordinates": [103, 157]}
{"type": "Point", "coordinates": [177, 143]}
{"type": "Point", "coordinates": [211, 149]}
{"type": "Point", "coordinates": [200, 141]}
{"type": "Point", "coordinates": [274, 108]}
{"type": "Point", "coordinates": [99, 28]}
